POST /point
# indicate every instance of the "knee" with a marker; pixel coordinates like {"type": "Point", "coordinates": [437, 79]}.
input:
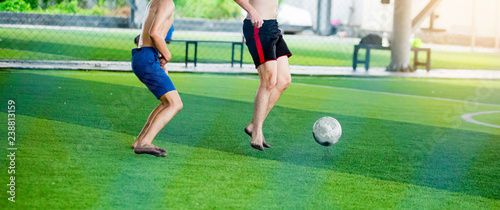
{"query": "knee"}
{"type": "Point", "coordinates": [269, 83]}
{"type": "Point", "coordinates": [283, 84]}
{"type": "Point", "coordinates": [177, 107]}
{"type": "Point", "coordinates": [270, 86]}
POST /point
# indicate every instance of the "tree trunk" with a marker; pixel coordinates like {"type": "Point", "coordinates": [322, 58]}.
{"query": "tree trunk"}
{"type": "Point", "coordinates": [401, 34]}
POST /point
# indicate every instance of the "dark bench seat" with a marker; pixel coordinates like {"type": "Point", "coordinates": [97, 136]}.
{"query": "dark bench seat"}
{"type": "Point", "coordinates": [195, 43]}
{"type": "Point", "coordinates": [369, 47]}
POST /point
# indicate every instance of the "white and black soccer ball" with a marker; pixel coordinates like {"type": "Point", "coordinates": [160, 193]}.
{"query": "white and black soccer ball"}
{"type": "Point", "coordinates": [327, 131]}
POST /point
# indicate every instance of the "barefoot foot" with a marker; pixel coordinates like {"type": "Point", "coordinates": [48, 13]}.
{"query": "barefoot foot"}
{"type": "Point", "coordinates": [257, 146]}
{"type": "Point", "coordinates": [134, 145]}
{"type": "Point", "coordinates": [149, 149]}
{"type": "Point", "coordinates": [159, 148]}
{"type": "Point", "coordinates": [264, 143]}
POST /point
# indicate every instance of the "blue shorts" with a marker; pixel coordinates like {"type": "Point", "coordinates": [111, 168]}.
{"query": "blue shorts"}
{"type": "Point", "coordinates": [146, 67]}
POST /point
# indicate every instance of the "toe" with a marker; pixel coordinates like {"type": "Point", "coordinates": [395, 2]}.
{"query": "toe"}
{"type": "Point", "coordinates": [256, 146]}
{"type": "Point", "coordinates": [265, 144]}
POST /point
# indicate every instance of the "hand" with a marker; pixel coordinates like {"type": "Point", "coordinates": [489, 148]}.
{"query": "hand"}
{"type": "Point", "coordinates": [162, 59]}
{"type": "Point", "coordinates": [163, 62]}
{"type": "Point", "coordinates": [256, 19]}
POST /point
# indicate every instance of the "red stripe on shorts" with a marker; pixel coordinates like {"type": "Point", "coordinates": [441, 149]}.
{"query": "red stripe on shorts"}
{"type": "Point", "coordinates": [258, 44]}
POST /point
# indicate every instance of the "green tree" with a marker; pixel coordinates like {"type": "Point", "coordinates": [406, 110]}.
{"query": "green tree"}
{"type": "Point", "coordinates": [15, 6]}
{"type": "Point", "coordinates": [213, 9]}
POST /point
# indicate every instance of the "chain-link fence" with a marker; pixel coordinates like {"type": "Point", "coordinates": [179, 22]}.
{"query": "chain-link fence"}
{"type": "Point", "coordinates": [104, 30]}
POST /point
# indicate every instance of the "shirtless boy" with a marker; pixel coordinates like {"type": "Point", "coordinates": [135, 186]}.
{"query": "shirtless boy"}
{"type": "Point", "coordinates": [146, 66]}
{"type": "Point", "coordinates": [270, 55]}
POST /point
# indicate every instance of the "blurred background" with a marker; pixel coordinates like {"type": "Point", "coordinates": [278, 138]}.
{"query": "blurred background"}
{"type": "Point", "coordinates": [463, 34]}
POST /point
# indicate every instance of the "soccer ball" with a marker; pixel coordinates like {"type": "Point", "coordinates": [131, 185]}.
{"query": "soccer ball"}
{"type": "Point", "coordinates": [327, 131]}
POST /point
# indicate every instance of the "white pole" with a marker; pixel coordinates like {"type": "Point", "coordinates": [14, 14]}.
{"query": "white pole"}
{"type": "Point", "coordinates": [324, 8]}
{"type": "Point", "coordinates": [473, 36]}
{"type": "Point", "coordinates": [496, 26]}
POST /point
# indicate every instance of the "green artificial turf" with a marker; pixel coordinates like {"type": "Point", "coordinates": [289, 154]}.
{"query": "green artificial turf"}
{"type": "Point", "coordinates": [410, 149]}
{"type": "Point", "coordinates": [50, 44]}
{"type": "Point", "coordinates": [480, 91]}
{"type": "Point", "coordinates": [492, 118]}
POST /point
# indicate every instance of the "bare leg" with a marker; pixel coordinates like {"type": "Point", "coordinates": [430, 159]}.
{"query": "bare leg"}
{"type": "Point", "coordinates": [283, 81]}
{"type": "Point", "coordinates": [148, 123]}
{"type": "Point", "coordinates": [173, 105]}
{"type": "Point", "coordinates": [268, 76]}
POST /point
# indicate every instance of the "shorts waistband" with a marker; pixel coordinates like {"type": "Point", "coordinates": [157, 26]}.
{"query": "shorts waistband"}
{"type": "Point", "coordinates": [268, 21]}
{"type": "Point", "coordinates": [146, 49]}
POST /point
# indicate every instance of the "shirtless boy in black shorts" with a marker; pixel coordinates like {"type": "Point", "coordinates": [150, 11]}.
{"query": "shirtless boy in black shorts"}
{"type": "Point", "coordinates": [270, 55]}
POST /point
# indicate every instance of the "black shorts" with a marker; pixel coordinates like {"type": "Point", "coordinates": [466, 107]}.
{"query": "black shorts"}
{"type": "Point", "coordinates": [265, 43]}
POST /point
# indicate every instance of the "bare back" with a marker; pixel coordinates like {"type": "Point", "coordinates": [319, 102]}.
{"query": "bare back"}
{"type": "Point", "coordinates": [268, 9]}
{"type": "Point", "coordinates": [150, 15]}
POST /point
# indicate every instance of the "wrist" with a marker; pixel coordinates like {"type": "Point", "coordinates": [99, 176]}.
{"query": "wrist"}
{"type": "Point", "coordinates": [253, 13]}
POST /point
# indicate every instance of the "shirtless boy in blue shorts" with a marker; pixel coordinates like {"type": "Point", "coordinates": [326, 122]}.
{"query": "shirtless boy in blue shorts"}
{"type": "Point", "coordinates": [146, 66]}
{"type": "Point", "coordinates": [270, 55]}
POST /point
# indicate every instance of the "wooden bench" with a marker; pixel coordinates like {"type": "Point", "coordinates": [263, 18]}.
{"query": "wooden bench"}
{"type": "Point", "coordinates": [195, 43]}
{"type": "Point", "coordinates": [416, 50]}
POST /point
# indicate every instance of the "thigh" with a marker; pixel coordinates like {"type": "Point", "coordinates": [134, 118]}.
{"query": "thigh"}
{"type": "Point", "coordinates": [267, 71]}
{"type": "Point", "coordinates": [283, 68]}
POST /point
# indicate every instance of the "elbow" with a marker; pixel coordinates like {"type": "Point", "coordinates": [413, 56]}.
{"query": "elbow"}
{"type": "Point", "coordinates": [168, 57]}
{"type": "Point", "coordinates": [171, 3]}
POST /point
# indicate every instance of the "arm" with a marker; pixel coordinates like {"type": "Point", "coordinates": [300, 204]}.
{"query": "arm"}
{"type": "Point", "coordinates": [164, 14]}
{"type": "Point", "coordinates": [254, 15]}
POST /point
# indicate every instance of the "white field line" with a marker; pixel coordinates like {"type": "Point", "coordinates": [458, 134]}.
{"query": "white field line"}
{"type": "Point", "coordinates": [302, 84]}
{"type": "Point", "coordinates": [468, 118]}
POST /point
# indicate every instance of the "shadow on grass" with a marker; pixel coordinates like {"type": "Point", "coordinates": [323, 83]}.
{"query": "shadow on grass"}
{"type": "Point", "coordinates": [443, 158]}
